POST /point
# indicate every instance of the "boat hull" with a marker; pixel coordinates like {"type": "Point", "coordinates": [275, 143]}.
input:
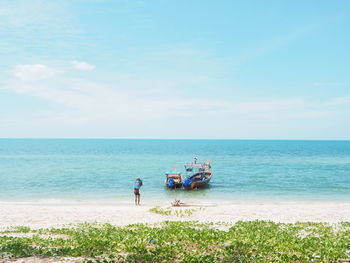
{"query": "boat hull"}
{"type": "Point", "coordinates": [175, 186]}
{"type": "Point", "coordinates": [199, 183]}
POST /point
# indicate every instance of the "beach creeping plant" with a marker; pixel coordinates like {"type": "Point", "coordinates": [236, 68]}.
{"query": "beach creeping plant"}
{"type": "Point", "coordinates": [244, 241]}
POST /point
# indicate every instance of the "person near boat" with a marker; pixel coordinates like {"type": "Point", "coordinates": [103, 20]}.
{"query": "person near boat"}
{"type": "Point", "coordinates": [137, 186]}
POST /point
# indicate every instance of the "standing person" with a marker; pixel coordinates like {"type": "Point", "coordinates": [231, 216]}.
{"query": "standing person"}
{"type": "Point", "coordinates": [137, 186]}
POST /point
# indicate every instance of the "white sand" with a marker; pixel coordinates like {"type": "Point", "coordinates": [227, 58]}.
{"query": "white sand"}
{"type": "Point", "coordinates": [43, 215]}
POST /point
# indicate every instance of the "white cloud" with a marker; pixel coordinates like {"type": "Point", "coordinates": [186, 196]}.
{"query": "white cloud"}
{"type": "Point", "coordinates": [89, 102]}
{"type": "Point", "coordinates": [145, 102]}
{"type": "Point", "coordinates": [32, 15]}
{"type": "Point", "coordinates": [275, 43]}
{"type": "Point", "coordinates": [81, 65]}
{"type": "Point", "coordinates": [80, 108]}
{"type": "Point", "coordinates": [32, 72]}
{"type": "Point", "coordinates": [339, 101]}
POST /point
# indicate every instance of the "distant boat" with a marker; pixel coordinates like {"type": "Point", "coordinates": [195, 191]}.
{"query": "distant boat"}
{"type": "Point", "coordinates": [173, 180]}
{"type": "Point", "coordinates": [199, 175]}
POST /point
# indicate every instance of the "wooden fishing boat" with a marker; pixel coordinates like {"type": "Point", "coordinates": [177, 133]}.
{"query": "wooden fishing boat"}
{"type": "Point", "coordinates": [199, 175]}
{"type": "Point", "coordinates": [173, 180]}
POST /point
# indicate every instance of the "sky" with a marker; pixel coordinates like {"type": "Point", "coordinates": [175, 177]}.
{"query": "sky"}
{"type": "Point", "coordinates": [184, 69]}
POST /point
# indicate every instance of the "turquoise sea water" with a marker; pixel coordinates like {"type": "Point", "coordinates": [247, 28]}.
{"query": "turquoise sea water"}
{"type": "Point", "coordinates": [93, 169]}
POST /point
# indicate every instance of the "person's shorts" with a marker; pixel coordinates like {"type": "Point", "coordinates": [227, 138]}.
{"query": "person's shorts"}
{"type": "Point", "coordinates": [137, 191]}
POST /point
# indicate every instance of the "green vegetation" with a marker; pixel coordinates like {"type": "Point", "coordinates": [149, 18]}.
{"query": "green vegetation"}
{"type": "Point", "coordinates": [161, 211]}
{"type": "Point", "coordinates": [174, 211]}
{"type": "Point", "coordinates": [254, 241]}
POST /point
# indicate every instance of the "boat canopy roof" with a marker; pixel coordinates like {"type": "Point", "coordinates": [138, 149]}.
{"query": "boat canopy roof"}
{"type": "Point", "coordinates": [173, 173]}
{"type": "Point", "coordinates": [205, 165]}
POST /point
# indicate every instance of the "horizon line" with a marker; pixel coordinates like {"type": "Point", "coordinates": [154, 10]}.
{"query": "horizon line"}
{"type": "Point", "coordinates": [195, 139]}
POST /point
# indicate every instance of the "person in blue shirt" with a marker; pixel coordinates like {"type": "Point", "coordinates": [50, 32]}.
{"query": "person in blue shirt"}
{"type": "Point", "coordinates": [137, 186]}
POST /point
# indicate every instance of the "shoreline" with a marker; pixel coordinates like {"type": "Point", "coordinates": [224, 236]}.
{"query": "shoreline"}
{"type": "Point", "coordinates": [163, 201]}
{"type": "Point", "coordinates": [47, 215]}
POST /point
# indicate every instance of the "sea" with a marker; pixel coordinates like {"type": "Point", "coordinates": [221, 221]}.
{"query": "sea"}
{"type": "Point", "coordinates": [98, 170]}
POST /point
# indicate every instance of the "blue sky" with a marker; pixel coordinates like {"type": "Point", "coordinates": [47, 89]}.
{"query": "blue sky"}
{"type": "Point", "coordinates": [175, 69]}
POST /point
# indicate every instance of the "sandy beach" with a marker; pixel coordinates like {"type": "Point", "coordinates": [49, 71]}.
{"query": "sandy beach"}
{"type": "Point", "coordinates": [46, 215]}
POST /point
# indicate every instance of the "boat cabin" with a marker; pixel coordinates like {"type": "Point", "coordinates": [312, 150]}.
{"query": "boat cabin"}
{"type": "Point", "coordinates": [173, 180]}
